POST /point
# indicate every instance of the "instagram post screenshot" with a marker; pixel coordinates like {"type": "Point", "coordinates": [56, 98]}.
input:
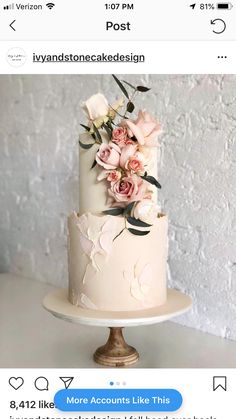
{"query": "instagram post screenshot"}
{"type": "Point", "coordinates": [117, 209]}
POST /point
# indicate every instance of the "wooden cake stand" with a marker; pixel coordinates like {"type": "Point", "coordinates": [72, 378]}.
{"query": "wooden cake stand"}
{"type": "Point", "coordinates": [116, 352]}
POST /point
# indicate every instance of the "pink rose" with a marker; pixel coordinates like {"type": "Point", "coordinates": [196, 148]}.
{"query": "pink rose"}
{"type": "Point", "coordinates": [128, 189]}
{"type": "Point", "coordinates": [108, 156]}
{"type": "Point", "coordinates": [135, 164]}
{"type": "Point", "coordinates": [145, 129]}
{"type": "Point", "coordinates": [110, 175]}
{"type": "Point", "coordinates": [114, 176]}
{"type": "Point", "coordinates": [120, 137]}
{"type": "Point", "coordinates": [126, 153]}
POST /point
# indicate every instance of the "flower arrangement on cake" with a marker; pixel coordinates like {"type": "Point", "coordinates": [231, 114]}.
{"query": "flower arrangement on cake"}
{"type": "Point", "coordinates": [125, 149]}
{"type": "Point", "coordinates": [117, 244]}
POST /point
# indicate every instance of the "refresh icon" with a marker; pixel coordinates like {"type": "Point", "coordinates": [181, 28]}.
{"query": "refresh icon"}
{"type": "Point", "coordinates": [220, 24]}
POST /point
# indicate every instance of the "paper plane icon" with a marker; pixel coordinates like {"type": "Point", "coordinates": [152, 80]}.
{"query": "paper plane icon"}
{"type": "Point", "coordinates": [67, 381]}
{"type": "Point", "coordinates": [193, 5]}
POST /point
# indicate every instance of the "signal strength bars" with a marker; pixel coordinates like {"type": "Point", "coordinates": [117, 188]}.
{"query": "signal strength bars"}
{"type": "Point", "coordinates": [9, 7]}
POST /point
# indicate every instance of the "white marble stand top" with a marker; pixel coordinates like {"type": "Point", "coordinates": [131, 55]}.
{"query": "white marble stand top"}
{"type": "Point", "coordinates": [57, 304]}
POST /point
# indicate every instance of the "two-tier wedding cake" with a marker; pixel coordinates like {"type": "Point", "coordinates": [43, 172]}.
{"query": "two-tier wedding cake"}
{"type": "Point", "coordinates": [117, 244]}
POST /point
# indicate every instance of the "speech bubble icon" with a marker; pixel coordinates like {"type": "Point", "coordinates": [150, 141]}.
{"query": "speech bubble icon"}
{"type": "Point", "coordinates": [41, 383]}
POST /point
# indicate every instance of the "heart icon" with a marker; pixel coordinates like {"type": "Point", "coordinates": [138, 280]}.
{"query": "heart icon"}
{"type": "Point", "coordinates": [16, 382]}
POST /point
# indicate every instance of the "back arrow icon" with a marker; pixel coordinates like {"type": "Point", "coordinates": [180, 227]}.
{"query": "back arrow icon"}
{"type": "Point", "coordinates": [213, 22]}
{"type": "Point", "coordinates": [12, 24]}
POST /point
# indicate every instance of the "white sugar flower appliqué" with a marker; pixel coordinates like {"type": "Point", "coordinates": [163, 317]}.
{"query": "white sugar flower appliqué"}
{"type": "Point", "coordinates": [96, 235]}
{"type": "Point", "coordinates": [140, 281]}
{"type": "Point", "coordinates": [87, 303]}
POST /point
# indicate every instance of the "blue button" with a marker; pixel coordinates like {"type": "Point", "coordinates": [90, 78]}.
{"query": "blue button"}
{"type": "Point", "coordinates": [116, 400]}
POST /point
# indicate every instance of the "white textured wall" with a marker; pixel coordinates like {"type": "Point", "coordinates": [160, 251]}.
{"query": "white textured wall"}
{"type": "Point", "coordinates": [39, 125]}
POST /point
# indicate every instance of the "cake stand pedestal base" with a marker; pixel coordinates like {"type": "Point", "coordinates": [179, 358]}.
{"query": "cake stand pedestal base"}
{"type": "Point", "coordinates": [116, 352]}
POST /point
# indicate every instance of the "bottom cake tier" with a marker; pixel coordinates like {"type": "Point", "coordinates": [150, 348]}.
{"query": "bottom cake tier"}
{"type": "Point", "coordinates": [125, 274]}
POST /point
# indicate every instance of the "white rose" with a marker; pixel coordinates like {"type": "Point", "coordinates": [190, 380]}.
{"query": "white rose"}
{"type": "Point", "coordinates": [96, 107]}
{"type": "Point", "coordinates": [146, 211]}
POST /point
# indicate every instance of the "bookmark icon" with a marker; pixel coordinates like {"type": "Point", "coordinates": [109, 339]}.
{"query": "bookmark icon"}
{"type": "Point", "coordinates": [220, 382]}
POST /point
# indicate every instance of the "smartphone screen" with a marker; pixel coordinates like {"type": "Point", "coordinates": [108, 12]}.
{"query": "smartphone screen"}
{"type": "Point", "coordinates": [117, 210]}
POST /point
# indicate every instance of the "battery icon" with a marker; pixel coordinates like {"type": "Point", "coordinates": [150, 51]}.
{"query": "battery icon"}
{"type": "Point", "coordinates": [224, 6]}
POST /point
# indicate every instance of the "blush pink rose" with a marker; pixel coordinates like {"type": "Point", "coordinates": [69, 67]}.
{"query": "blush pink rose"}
{"type": "Point", "coordinates": [128, 189]}
{"type": "Point", "coordinates": [135, 164]}
{"type": "Point", "coordinates": [108, 156]}
{"type": "Point", "coordinates": [145, 129]}
{"type": "Point", "coordinates": [114, 176]}
{"type": "Point", "coordinates": [120, 137]}
{"type": "Point", "coordinates": [110, 175]}
{"type": "Point", "coordinates": [126, 153]}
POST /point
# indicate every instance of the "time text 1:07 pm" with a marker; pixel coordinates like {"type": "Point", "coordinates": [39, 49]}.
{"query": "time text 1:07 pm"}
{"type": "Point", "coordinates": [122, 6]}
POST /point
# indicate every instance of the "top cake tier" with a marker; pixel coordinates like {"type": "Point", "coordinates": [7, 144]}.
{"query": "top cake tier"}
{"type": "Point", "coordinates": [93, 195]}
{"type": "Point", "coordinates": [117, 157]}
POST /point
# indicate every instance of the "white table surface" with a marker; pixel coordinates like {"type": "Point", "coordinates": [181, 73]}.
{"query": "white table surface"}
{"type": "Point", "coordinates": [32, 338]}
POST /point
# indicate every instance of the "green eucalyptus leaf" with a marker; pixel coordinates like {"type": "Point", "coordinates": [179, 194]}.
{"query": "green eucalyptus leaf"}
{"type": "Point", "coordinates": [143, 89]}
{"type": "Point", "coordinates": [97, 133]}
{"type": "Point", "coordinates": [85, 146]}
{"type": "Point", "coordinates": [137, 222]}
{"type": "Point", "coordinates": [114, 211]}
{"type": "Point", "coordinates": [118, 234]}
{"type": "Point", "coordinates": [123, 89]}
{"type": "Point", "coordinates": [138, 232]}
{"type": "Point", "coordinates": [88, 129]}
{"type": "Point", "coordinates": [129, 208]}
{"type": "Point", "coordinates": [94, 164]}
{"type": "Point", "coordinates": [128, 84]}
{"type": "Point", "coordinates": [152, 180]}
{"type": "Point", "coordinates": [130, 107]}
{"type": "Point", "coordinates": [85, 127]}
{"type": "Point", "coordinates": [109, 124]}
{"type": "Point", "coordinates": [108, 130]}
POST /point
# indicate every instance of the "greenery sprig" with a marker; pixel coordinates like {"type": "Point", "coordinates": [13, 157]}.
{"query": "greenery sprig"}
{"type": "Point", "coordinates": [108, 126]}
{"type": "Point", "coordinates": [126, 213]}
{"type": "Point", "coordinates": [130, 105]}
